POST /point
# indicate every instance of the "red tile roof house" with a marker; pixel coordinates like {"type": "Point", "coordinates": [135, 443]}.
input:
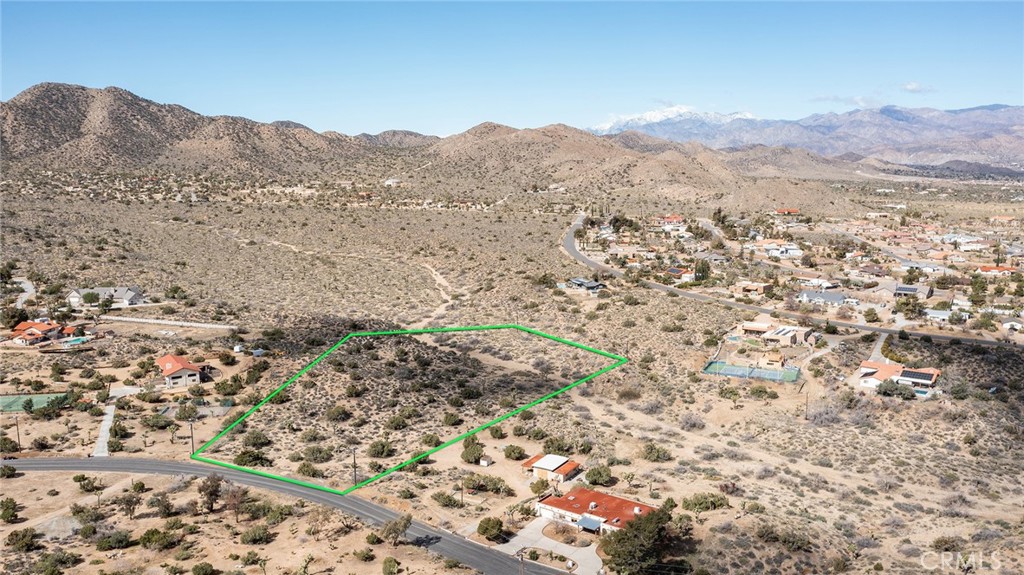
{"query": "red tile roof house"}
{"type": "Point", "coordinates": [590, 510]}
{"type": "Point", "coordinates": [178, 371]}
{"type": "Point", "coordinates": [552, 467]}
{"type": "Point", "coordinates": [33, 332]}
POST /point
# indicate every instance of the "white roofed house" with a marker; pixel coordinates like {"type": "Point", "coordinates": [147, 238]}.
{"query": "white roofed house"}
{"type": "Point", "coordinates": [119, 296]}
{"type": "Point", "coordinates": [823, 298]}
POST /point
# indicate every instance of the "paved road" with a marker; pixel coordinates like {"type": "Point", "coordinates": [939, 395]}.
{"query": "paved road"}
{"type": "Point", "coordinates": [569, 245]}
{"type": "Point", "coordinates": [29, 291]}
{"type": "Point", "coordinates": [902, 260]}
{"type": "Point", "coordinates": [474, 555]}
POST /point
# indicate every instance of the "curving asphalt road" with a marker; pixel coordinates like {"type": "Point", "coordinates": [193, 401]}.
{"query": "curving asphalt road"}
{"type": "Point", "coordinates": [474, 555]}
{"type": "Point", "coordinates": [569, 245]}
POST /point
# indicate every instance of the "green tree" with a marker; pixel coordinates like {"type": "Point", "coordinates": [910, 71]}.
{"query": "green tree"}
{"type": "Point", "coordinates": [515, 452]}
{"type": "Point", "coordinates": [390, 566]}
{"type": "Point", "coordinates": [701, 271]}
{"type": "Point", "coordinates": [637, 547]}
{"type": "Point", "coordinates": [394, 530]}
{"type": "Point", "coordinates": [91, 298]}
{"type": "Point", "coordinates": [600, 475]}
{"type": "Point", "coordinates": [128, 503]}
{"type": "Point", "coordinates": [490, 528]}
{"type": "Point", "coordinates": [210, 491]}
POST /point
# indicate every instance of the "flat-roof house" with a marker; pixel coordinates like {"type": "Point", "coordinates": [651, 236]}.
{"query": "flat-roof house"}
{"type": "Point", "coordinates": [1013, 325]}
{"type": "Point", "coordinates": [178, 371]}
{"type": "Point", "coordinates": [787, 335]}
{"type": "Point", "coordinates": [591, 510]}
{"type": "Point", "coordinates": [552, 467]}
{"type": "Point", "coordinates": [787, 211]}
{"type": "Point", "coordinates": [120, 296]}
{"type": "Point", "coordinates": [753, 328]}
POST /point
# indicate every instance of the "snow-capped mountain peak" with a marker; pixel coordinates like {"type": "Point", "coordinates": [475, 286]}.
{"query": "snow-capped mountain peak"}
{"type": "Point", "coordinates": [627, 122]}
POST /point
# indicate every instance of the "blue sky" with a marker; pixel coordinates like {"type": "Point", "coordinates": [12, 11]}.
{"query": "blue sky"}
{"type": "Point", "coordinates": [442, 68]}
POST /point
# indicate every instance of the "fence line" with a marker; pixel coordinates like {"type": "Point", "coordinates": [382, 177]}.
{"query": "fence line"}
{"type": "Point", "coordinates": [169, 322]}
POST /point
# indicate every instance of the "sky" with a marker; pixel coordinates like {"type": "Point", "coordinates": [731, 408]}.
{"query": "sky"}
{"type": "Point", "coordinates": [441, 68]}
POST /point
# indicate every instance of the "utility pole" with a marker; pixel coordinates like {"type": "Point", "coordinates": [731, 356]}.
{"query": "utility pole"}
{"type": "Point", "coordinates": [354, 480]}
{"type": "Point", "coordinates": [192, 436]}
{"type": "Point", "coordinates": [17, 428]}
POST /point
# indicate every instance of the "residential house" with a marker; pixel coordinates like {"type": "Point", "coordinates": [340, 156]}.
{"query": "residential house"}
{"type": "Point", "coordinates": [1002, 220]}
{"type": "Point", "coordinates": [681, 274]}
{"type": "Point", "coordinates": [755, 329]}
{"type": "Point", "coordinates": [873, 373]}
{"type": "Point", "coordinates": [874, 270]}
{"type": "Point", "coordinates": [585, 284]}
{"type": "Point", "coordinates": [831, 299]}
{"type": "Point", "coordinates": [591, 510]}
{"type": "Point", "coordinates": [552, 467]}
{"type": "Point", "coordinates": [787, 212]}
{"type": "Point", "coordinates": [119, 296]}
{"type": "Point", "coordinates": [1013, 326]}
{"type": "Point", "coordinates": [35, 332]}
{"type": "Point", "coordinates": [787, 335]}
{"type": "Point", "coordinates": [178, 371]}
{"type": "Point", "coordinates": [748, 287]}
{"type": "Point", "coordinates": [996, 270]}
{"type": "Point", "coordinates": [912, 291]}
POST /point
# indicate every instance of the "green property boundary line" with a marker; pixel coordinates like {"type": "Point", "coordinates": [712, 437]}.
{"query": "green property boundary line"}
{"type": "Point", "coordinates": [619, 361]}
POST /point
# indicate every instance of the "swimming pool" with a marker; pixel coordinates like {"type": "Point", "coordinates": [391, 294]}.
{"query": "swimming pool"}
{"type": "Point", "coordinates": [74, 341]}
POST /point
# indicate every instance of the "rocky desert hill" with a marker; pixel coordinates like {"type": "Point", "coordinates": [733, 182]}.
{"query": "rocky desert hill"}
{"type": "Point", "coordinates": [63, 127]}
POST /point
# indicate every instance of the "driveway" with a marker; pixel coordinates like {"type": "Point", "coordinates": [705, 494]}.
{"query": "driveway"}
{"type": "Point", "coordinates": [29, 292]}
{"type": "Point", "coordinates": [531, 536]}
{"type": "Point", "coordinates": [104, 436]}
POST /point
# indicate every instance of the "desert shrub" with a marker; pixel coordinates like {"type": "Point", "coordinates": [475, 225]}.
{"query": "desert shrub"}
{"type": "Point", "coordinates": [307, 469]}
{"type": "Point", "coordinates": [338, 413]}
{"type": "Point", "coordinates": [655, 452]}
{"type": "Point", "coordinates": [446, 500]}
{"type": "Point", "coordinates": [700, 502]}
{"type": "Point", "coordinates": [558, 445]}
{"type": "Point", "coordinates": [473, 453]}
{"type": "Point", "coordinates": [256, 535]}
{"type": "Point", "coordinates": [365, 555]}
{"type": "Point", "coordinates": [317, 454]}
{"type": "Point", "coordinates": [948, 543]}
{"type": "Point", "coordinates": [497, 432]}
{"type": "Point", "coordinates": [431, 440]}
{"type": "Point", "coordinates": [691, 421]}
{"type": "Point", "coordinates": [114, 540]}
{"type": "Point", "coordinates": [515, 453]}
{"type": "Point", "coordinates": [203, 568]}
{"type": "Point", "coordinates": [600, 475]}
{"type": "Point", "coordinates": [158, 540]}
{"type": "Point", "coordinates": [252, 458]}
{"type": "Point", "coordinates": [381, 448]}
{"type": "Point", "coordinates": [256, 439]}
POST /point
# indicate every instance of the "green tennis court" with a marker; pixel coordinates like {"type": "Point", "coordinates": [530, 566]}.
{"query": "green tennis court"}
{"type": "Point", "coordinates": [786, 374]}
{"type": "Point", "coordinates": [9, 403]}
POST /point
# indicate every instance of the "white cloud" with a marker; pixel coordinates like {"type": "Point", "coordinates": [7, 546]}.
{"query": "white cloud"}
{"type": "Point", "coordinates": [916, 88]}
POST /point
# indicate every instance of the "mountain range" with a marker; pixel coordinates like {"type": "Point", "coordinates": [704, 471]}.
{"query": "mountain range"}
{"type": "Point", "coordinates": [68, 127]}
{"type": "Point", "coordinates": [991, 135]}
